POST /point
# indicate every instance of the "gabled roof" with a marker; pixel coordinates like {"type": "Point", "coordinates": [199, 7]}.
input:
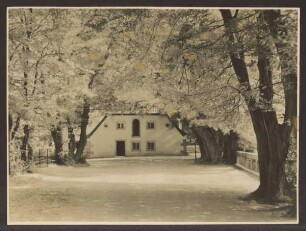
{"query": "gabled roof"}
{"type": "Point", "coordinates": [104, 118]}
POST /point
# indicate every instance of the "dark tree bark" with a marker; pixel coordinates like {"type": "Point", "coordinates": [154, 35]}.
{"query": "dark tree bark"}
{"type": "Point", "coordinates": [288, 74]}
{"type": "Point", "coordinates": [279, 31]}
{"type": "Point", "coordinates": [30, 153]}
{"type": "Point", "coordinates": [10, 119]}
{"type": "Point", "coordinates": [199, 141]}
{"type": "Point", "coordinates": [57, 136]}
{"type": "Point", "coordinates": [270, 154]}
{"type": "Point", "coordinates": [71, 139]}
{"type": "Point", "coordinates": [210, 142]}
{"type": "Point", "coordinates": [265, 124]}
{"type": "Point", "coordinates": [79, 158]}
{"type": "Point", "coordinates": [81, 144]}
{"type": "Point", "coordinates": [269, 147]}
{"type": "Point", "coordinates": [26, 149]}
{"type": "Point", "coordinates": [230, 148]}
{"type": "Point", "coordinates": [25, 142]}
{"type": "Point", "coordinates": [15, 129]}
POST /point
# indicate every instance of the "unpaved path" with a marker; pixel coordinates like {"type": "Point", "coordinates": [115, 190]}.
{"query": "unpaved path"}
{"type": "Point", "coordinates": [137, 189]}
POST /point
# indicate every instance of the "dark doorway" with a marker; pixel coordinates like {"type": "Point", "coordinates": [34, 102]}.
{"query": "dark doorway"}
{"type": "Point", "coordinates": [120, 147]}
{"type": "Point", "coordinates": [136, 128]}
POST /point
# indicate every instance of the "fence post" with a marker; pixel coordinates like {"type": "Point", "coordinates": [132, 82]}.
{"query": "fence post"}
{"type": "Point", "coordinates": [47, 157]}
{"type": "Point", "coordinates": [39, 157]}
{"type": "Point", "coordinates": [195, 150]}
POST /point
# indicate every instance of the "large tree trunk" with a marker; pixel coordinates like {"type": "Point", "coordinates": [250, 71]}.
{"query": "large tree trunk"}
{"type": "Point", "coordinates": [290, 117]}
{"type": "Point", "coordinates": [26, 149]}
{"type": "Point", "coordinates": [230, 148]}
{"type": "Point", "coordinates": [199, 141]}
{"type": "Point", "coordinates": [288, 62]}
{"type": "Point", "coordinates": [25, 142]}
{"type": "Point", "coordinates": [210, 143]}
{"type": "Point", "coordinates": [288, 73]}
{"type": "Point", "coordinates": [71, 140]}
{"type": "Point", "coordinates": [10, 119]}
{"type": "Point", "coordinates": [264, 119]}
{"type": "Point", "coordinates": [270, 158]}
{"type": "Point", "coordinates": [57, 136]}
{"type": "Point", "coordinates": [14, 130]}
{"type": "Point", "coordinates": [79, 158]}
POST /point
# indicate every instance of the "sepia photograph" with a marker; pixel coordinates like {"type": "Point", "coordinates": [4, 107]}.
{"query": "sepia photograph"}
{"type": "Point", "coordinates": [152, 115]}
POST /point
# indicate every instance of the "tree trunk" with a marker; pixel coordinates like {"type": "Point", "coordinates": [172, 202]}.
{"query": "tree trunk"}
{"type": "Point", "coordinates": [230, 148]}
{"type": "Point", "coordinates": [210, 143]}
{"type": "Point", "coordinates": [288, 73]}
{"type": "Point", "coordinates": [57, 136]}
{"type": "Point", "coordinates": [289, 81]}
{"type": "Point", "coordinates": [10, 119]}
{"type": "Point", "coordinates": [290, 117]}
{"type": "Point", "coordinates": [79, 157]}
{"type": "Point", "coordinates": [264, 119]}
{"type": "Point", "coordinates": [30, 153]}
{"type": "Point", "coordinates": [71, 141]}
{"type": "Point", "coordinates": [25, 142]}
{"type": "Point", "coordinates": [14, 130]}
{"type": "Point", "coordinates": [270, 158]}
{"type": "Point", "coordinates": [199, 141]}
{"type": "Point", "coordinates": [269, 138]}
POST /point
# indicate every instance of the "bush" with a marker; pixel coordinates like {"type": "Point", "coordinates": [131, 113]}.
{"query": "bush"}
{"type": "Point", "coordinates": [16, 165]}
{"type": "Point", "coordinates": [291, 173]}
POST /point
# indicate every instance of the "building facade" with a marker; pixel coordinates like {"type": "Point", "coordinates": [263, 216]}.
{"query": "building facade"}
{"type": "Point", "coordinates": [135, 135]}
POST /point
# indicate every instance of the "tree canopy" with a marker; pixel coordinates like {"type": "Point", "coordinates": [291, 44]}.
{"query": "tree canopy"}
{"type": "Point", "coordinates": [222, 69]}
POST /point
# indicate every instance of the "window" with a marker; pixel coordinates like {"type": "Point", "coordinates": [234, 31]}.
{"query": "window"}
{"type": "Point", "coordinates": [151, 146]}
{"type": "Point", "coordinates": [150, 125]}
{"type": "Point", "coordinates": [120, 126]}
{"type": "Point", "coordinates": [135, 146]}
{"type": "Point", "coordinates": [136, 128]}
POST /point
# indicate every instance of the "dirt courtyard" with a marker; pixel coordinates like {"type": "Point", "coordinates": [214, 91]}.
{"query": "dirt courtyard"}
{"type": "Point", "coordinates": [137, 189]}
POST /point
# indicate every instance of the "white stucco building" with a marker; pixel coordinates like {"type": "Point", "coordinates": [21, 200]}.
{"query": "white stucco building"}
{"type": "Point", "coordinates": [135, 135]}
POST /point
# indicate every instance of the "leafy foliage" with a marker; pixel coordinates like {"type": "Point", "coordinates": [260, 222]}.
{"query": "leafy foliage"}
{"type": "Point", "coordinates": [63, 62]}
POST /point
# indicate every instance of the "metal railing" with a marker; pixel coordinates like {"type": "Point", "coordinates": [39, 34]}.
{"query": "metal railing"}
{"type": "Point", "coordinates": [43, 157]}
